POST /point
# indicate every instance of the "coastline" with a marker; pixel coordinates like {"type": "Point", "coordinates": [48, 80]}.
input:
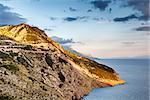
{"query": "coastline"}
{"type": "Point", "coordinates": [107, 84]}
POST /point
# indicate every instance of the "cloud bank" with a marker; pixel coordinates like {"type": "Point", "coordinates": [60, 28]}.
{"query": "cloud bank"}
{"type": "Point", "coordinates": [61, 40]}
{"type": "Point", "coordinates": [8, 17]}
{"type": "Point", "coordinates": [78, 18]}
{"type": "Point", "coordinates": [144, 28]}
{"type": "Point", "coordinates": [101, 4]}
{"type": "Point", "coordinates": [127, 18]}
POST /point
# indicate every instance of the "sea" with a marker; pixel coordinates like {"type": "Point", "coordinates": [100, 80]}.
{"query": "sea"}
{"type": "Point", "coordinates": [136, 74]}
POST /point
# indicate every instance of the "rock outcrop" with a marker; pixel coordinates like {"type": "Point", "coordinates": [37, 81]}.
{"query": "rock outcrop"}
{"type": "Point", "coordinates": [34, 67]}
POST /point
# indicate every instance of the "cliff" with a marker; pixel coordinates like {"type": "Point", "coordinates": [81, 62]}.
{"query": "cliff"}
{"type": "Point", "coordinates": [34, 67]}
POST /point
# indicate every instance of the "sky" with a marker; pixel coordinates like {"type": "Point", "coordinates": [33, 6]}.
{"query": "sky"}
{"type": "Point", "coordinates": [98, 28]}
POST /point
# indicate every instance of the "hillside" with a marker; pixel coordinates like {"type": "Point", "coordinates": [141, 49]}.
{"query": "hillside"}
{"type": "Point", "coordinates": [34, 67]}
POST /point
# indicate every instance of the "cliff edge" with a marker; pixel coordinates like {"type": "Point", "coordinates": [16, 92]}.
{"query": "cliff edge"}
{"type": "Point", "coordinates": [34, 67]}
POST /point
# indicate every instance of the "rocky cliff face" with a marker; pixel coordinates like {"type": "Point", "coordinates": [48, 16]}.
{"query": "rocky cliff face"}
{"type": "Point", "coordinates": [34, 67]}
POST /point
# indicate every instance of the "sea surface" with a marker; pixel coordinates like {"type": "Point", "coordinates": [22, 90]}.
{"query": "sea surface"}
{"type": "Point", "coordinates": [136, 74]}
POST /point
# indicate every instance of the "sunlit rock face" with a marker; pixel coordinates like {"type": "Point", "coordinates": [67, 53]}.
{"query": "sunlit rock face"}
{"type": "Point", "coordinates": [34, 67]}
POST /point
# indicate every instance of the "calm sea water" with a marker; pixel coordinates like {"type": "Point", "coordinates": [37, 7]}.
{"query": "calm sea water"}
{"type": "Point", "coordinates": [136, 74]}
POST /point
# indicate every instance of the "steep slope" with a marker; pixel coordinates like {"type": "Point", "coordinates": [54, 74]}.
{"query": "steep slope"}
{"type": "Point", "coordinates": [26, 34]}
{"type": "Point", "coordinates": [34, 67]}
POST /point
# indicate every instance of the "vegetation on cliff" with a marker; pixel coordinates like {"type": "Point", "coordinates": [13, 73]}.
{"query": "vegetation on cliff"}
{"type": "Point", "coordinates": [34, 67]}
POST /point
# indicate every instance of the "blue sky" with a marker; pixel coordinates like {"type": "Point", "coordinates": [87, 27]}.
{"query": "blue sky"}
{"type": "Point", "coordinates": [100, 28]}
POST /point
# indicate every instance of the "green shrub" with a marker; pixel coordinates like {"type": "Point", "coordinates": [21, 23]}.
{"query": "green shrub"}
{"type": "Point", "coordinates": [11, 67]}
{"type": "Point", "coordinates": [13, 54]}
{"type": "Point", "coordinates": [49, 60]}
{"type": "Point", "coordinates": [28, 47]}
{"type": "Point", "coordinates": [2, 43]}
{"type": "Point", "coordinates": [4, 55]}
{"type": "Point", "coordinates": [22, 61]}
{"type": "Point", "coordinates": [5, 97]}
{"type": "Point", "coordinates": [61, 76]}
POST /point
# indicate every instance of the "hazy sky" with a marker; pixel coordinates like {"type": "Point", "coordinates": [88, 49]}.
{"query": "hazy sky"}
{"type": "Point", "coordinates": [100, 28]}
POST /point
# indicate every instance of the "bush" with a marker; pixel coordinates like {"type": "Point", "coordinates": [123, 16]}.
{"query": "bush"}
{"type": "Point", "coordinates": [2, 43]}
{"type": "Point", "coordinates": [61, 76]}
{"type": "Point", "coordinates": [22, 61]}
{"type": "Point", "coordinates": [28, 47]}
{"type": "Point", "coordinates": [10, 67]}
{"type": "Point", "coordinates": [4, 55]}
{"type": "Point", "coordinates": [5, 97]}
{"type": "Point", "coordinates": [49, 60]}
{"type": "Point", "coordinates": [13, 54]}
